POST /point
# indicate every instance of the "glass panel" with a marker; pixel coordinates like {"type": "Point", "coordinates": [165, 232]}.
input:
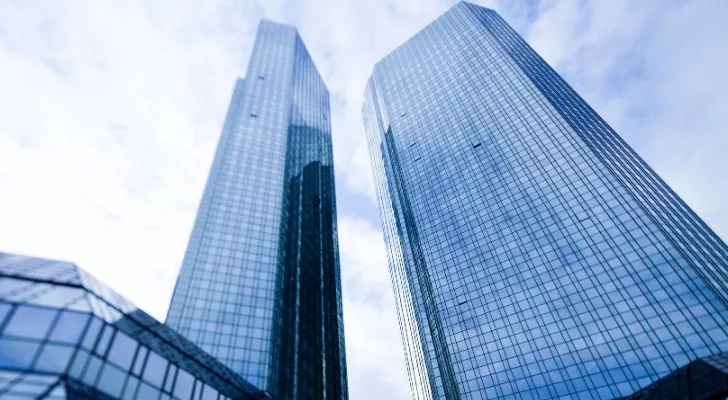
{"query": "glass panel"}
{"type": "Point", "coordinates": [69, 327]}
{"type": "Point", "coordinates": [54, 358]}
{"type": "Point", "coordinates": [56, 296]}
{"type": "Point", "coordinates": [147, 392]}
{"type": "Point", "coordinates": [58, 393]}
{"type": "Point", "coordinates": [91, 333]}
{"type": "Point", "coordinates": [139, 362]}
{"type": "Point", "coordinates": [27, 389]}
{"type": "Point", "coordinates": [79, 362]}
{"type": "Point", "coordinates": [4, 310]}
{"type": "Point", "coordinates": [155, 369]}
{"type": "Point", "coordinates": [170, 378]}
{"type": "Point", "coordinates": [209, 393]}
{"type": "Point", "coordinates": [183, 385]}
{"type": "Point", "coordinates": [17, 353]}
{"type": "Point", "coordinates": [111, 380]}
{"type": "Point", "coordinates": [92, 371]}
{"type": "Point", "coordinates": [104, 340]}
{"type": "Point", "coordinates": [30, 322]}
{"type": "Point", "coordinates": [131, 387]}
{"type": "Point", "coordinates": [197, 391]}
{"type": "Point", "coordinates": [122, 350]}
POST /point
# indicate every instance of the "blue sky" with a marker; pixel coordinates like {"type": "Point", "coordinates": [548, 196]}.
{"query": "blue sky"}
{"type": "Point", "coordinates": [110, 112]}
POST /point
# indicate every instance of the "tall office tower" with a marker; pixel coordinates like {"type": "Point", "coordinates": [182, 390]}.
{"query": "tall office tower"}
{"type": "Point", "coordinates": [533, 254]}
{"type": "Point", "coordinates": [259, 286]}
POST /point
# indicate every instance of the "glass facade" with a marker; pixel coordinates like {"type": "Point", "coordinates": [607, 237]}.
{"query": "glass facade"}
{"type": "Point", "coordinates": [64, 335]}
{"type": "Point", "coordinates": [259, 286]}
{"type": "Point", "coordinates": [532, 253]}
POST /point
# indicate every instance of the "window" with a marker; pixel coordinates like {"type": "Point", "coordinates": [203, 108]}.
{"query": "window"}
{"type": "Point", "coordinates": [170, 378]}
{"type": "Point", "coordinates": [155, 369]}
{"type": "Point", "coordinates": [137, 370]}
{"type": "Point", "coordinates": [17, 353]}
{"type": "Point", "coordinates": [147, 392]}
{"type": "Point", "coordinates": [30, 322]}
{"type": "Point", "coordinates": [4, 311]}
{"type": "Point", "coordinates": [92, 371]}
{"type": "Point", "coordinates": [183, 385]}
{"type": "Point", "coordinates": [130, 390]}
{"type": "Point", "coordinates": [78, 363]}
{"type": "Point", "coordinates": [69, 327]}
{"type": "Point", "coordinates": [104, 341]}
{"type": "Point", "coordinates": [111, 380]}
{"type": "Point", "coordinates": [208, 393]}
{"type": "Point", "coordinates": [54, 358]}
{"type": "Point", "coordinates": [91, 334]}
{"type": "Point", "coordinates": [122, 350]}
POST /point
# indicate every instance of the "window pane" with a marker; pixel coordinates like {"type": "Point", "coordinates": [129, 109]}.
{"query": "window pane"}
{"type": "Point", "coordinates": [183, 385]}
{"type": "Point", "coordinates": [92, 333]}
{"type": "Point", "coordinates": [111, 380]}
{"type": "Point", "coordinates": [30, 322]}
{"type": "Point", "coordinates": [28, 389]}
{"type": "Point", "coordinates": [69, 327]}
{"type": "Point", "coordinates": [122, 350]}
{"type": "Point", "coordinates": [79, 362]}
{"type": "Point", "coordinates": [209, 393]}
{"type": "Point", "coordinates": [130, 390]}
{"type": "Point", "coordinates": [4, 310]}
{"type": "Point", "coordinates": [197, 391]}
{"type": "Point", "coordinates": [17, 353]}
{"type": "Point", "coordinates": [147, 392]}
{"type": "Point", "coordinates": [155, 369]}
{"type": "Point", "coordinates": [92, 371]}
{"type": "Point", "coordinates": [139, 362]}
{"type": "Point", "coordinates": [170, 378]}
{"type": "Point", "coordinates": [54, 358]}
{"type": "Point", "coordinates": [104, 340]}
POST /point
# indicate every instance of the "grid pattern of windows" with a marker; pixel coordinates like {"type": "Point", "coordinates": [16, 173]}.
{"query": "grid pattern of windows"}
{"type": "Point", "coordinates": [259, 286]}
{"type": "Point", "coordinates": [74, 338]}
{"type": "Point", "coordinates": [533, 254]}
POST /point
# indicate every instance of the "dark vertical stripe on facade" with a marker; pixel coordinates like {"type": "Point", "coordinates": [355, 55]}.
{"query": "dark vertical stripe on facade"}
{"type": "Point", "coordinates": [310, 363]}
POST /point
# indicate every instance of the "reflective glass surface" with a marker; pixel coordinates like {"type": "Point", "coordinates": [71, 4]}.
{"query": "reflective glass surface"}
{"type": "Point", "coordinates": [532, 253]}
{"type": "Point", "coordinates": [259, 287]}
{"type": "Point", "coordinates": [50, 351]}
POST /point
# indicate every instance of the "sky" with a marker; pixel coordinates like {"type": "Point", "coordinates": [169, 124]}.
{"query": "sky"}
{"type": "Point", "coordinates": [110, 112]}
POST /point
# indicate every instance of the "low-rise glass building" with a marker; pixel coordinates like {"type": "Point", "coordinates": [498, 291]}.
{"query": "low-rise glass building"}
{"type": "Point", "coordinates": [64, 335]}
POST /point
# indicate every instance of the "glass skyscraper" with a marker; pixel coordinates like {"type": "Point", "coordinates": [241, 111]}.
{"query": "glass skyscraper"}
{"type": "Point", "coordinates": [533, 254]}
{"type": "Point", "coordinates": [259, 287]}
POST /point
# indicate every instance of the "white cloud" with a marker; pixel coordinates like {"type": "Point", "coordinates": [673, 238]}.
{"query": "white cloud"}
{"type": "Point", "coordinates": [653, 70]}
{"type": "Point", "coordinates": [111, 111]}
{"type": "Point", "coordinates": [374, 356]}
{"type": "Point", "coordinates": [109, 124]}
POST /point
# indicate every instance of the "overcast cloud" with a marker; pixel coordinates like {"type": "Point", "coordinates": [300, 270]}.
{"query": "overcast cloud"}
{"type": "Point", "coordinates": [110, 112]}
